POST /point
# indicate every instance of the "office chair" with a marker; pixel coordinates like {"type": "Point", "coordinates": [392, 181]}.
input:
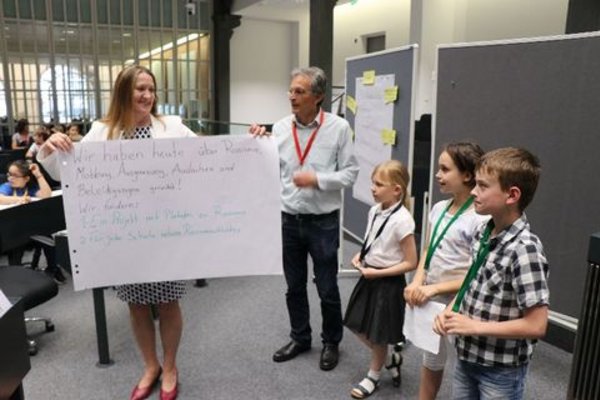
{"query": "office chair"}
{"type": "Point", "coordinates": [34, 288]}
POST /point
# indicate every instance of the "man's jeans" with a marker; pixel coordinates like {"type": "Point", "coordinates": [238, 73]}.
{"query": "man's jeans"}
{"type": "Point", "coordinates": [317, 235]}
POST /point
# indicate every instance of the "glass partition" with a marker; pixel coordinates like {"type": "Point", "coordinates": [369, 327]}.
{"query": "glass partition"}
{"type": "Point", "coordinates": [59, 59]}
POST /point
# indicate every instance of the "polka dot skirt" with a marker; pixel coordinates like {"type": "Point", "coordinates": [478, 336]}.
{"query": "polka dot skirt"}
{"type": "Point", "coordinates": [154, 292]}
{"type": "Point", "coordinates": [151, 293]}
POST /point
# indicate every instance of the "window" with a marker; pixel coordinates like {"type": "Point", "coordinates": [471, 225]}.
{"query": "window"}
{"type": "Point", "coordinates": [73, 99]}
{"type": "Point", "coordinates": [3, 112]}
{"type": "Point", "coordinates": [62, 66]}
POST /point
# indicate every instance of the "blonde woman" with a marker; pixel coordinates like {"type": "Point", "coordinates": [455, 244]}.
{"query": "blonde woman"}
{"type": "Point", "coordinates": [132, 116]}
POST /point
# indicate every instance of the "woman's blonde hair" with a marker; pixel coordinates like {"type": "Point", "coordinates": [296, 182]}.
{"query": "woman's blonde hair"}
{"type": "Point", "coordinates": [395, 173]}
{"type": "Point", "coordinates": [120, 112]}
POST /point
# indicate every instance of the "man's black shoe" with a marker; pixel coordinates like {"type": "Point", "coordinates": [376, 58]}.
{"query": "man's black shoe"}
{"type": "Point", "coordinates": [329, 357]}
{"type": "Point", "coordinates": [201, 283]}
{"type": "Point", "coordinates": [289, 351]}
{"type": "Point", "coordinates": [56, 274]}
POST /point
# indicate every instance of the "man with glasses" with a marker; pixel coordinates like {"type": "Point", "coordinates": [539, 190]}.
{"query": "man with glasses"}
{"type": "Point", "coordinates": [316, 162]}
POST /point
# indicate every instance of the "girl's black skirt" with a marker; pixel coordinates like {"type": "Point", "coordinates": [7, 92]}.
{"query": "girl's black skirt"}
{"type": "Point", "coordinates": [376, 309]}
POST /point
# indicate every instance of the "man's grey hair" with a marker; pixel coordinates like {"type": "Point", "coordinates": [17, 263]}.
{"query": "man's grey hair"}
{"type": "Point", "coordinates": [318, 79]}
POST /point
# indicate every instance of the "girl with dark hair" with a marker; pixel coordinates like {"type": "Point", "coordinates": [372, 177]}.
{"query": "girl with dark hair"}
{"type": "Point", "coordinates": [447, 257]}
{"type": "Point", "coordinates": [24, 181]}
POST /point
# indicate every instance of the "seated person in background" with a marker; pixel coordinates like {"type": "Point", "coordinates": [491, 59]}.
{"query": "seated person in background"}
{"type": "Point", "coordinates": [74, 132]}
{"type": "Point", "coordinates": [57, 128]}
{"type": "Point", "coordinates": [24, 182]}
{"type": "Point", "coordinates": [21, 138]}
{"type": "Point", "coordinates": [46, 244]}
{"type": "Point", "coordinates": [39, 137]}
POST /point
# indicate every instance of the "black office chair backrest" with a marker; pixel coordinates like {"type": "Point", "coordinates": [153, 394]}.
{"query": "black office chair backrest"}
{"type": "Point", "coordinates": [34, 287]}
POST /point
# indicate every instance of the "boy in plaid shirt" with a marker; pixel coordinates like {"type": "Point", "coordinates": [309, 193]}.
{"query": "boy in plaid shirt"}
{"type": "Point", "coordinates": [502, 308]}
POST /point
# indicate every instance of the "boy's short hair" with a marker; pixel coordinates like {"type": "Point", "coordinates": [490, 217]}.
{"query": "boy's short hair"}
{"type": "Point", "coordinates": [513, 167]}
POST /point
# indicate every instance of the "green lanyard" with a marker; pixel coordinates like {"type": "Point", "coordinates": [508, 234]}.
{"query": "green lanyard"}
{"type": "Point", "coordinates": [435, 241]}
{"type": "Point", "coordinates": [482, 253]}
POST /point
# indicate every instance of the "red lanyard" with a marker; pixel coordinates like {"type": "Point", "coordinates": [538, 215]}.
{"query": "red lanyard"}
{"type": "Point", "coordinates": [311, 139]}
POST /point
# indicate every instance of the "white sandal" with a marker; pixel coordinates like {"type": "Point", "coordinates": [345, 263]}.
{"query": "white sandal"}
{"type": "Point", "coordinates": [364, 388]}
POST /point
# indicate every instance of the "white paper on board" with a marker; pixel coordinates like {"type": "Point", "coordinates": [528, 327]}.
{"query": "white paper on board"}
{"type": "Point", "coordinates": [371, 119]}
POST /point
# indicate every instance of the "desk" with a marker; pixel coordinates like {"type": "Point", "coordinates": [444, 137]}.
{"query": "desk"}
{"type": "Point", "coordinates": [40, 217]}
{"type": "Point", "coordinates": [15, 356]}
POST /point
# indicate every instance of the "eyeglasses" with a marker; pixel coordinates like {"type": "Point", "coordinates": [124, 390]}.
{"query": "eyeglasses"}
{"type": "Point", "coordinates": [297, 92]}
{"type": "Point", "coordinates": [9, 175]}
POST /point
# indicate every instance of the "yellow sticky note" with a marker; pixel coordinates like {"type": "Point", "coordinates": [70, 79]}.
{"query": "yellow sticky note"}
{"type": "Point", "coordinates": [368, 77]}
{"type": "Point", "coordinates": [390, 94]}
{"type": "Point", "coordinates": [351, 104]}
{"type": "Point", "coordinates": [388, 136]}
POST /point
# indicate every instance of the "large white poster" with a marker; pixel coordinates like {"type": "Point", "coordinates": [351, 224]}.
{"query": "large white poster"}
{"type": "Point", "coordinates": [169, 209]}
{"type": "Point", "coordinates": [373, 116]}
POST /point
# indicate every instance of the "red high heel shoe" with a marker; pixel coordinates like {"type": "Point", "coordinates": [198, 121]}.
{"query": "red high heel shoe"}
{"type": "Point", "coordinates": [172, 394]}
{"type": "Point", "coordinates": [139, 393]}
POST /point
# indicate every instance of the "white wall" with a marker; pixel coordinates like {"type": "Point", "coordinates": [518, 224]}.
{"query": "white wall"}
{"type": "Point", "coordinates": [433, 22]}
{"type": "Point", "coordinates": [289, 11]}
{"type": "Point", "coordinates": [507, 19]}
{"type": "Point", "coordinates": [454, 21]}
{"type": "Point", "coordinates": [354, 23]}
{"type": "Point", "coordinates": [425, 22]}
{"type": "Point", "coordinates": [268, 44]}
{"type": "Point", "coordinates": [261, 60]}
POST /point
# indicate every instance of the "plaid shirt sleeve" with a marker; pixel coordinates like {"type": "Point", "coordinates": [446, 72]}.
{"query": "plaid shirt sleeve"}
{"type": "Point", "coordinates": [530, 273]}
